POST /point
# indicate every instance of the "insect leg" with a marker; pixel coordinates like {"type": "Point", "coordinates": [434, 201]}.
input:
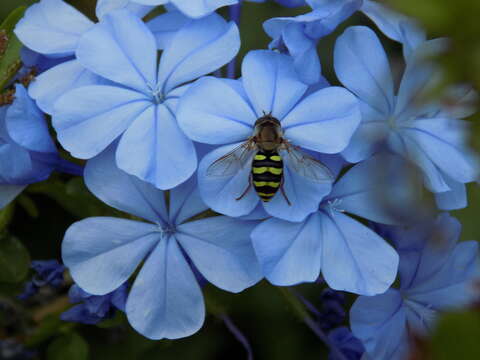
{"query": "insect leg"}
{"type": "Point", "coordinates": [246, 190]}
{"type": "Point", "coordinates": [283, 192]}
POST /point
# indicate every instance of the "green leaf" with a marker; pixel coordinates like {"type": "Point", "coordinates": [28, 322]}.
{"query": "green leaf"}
{"type": "Point", "coordinates": [10, 47]}
{"type": "Point", "coordinates": [14, 260]}
{"type": "Point", "coordinates": [6, 216]}
{"type": "Point", "coordinates": [456, 336]}
{"type": "Point", "coordinates": [70, 346]}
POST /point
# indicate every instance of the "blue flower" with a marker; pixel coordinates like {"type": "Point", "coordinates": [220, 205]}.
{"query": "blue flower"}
{"type": "Point", "coordinates": [299, 35]}
{"type": "Point", "coordinates": [139, 108]}
{"type": "Point", "coordinates": [436, 274]}
{"type": "Point", "coordinates": [218, 111]}
{"type": "Point", "coordinates": [350, 256]}
{"type": "Point", "coordinates": [27, 152]}
{"type": "Point", "coordinates": [53, 28]}
{"type": "Point", "coordinates": [94, 308]}
{"type": "Point", "coordinates": [346, 343]}
{"type": "Point", "coordinates": [426, 134]}
{"type": "Point", "coordinates": [165, 300]}
{"type": "Point", "coordinates": [48, 272]}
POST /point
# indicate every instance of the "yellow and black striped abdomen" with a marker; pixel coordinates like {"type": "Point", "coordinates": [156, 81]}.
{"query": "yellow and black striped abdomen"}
{"type": "Point", "coordinates": [267, 172]}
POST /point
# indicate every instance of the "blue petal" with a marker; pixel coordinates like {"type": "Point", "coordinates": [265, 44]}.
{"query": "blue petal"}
{"type": "Point", "coordinates": [271, 82]}
{"type": "Point", "coordinates": [185, 202]}
{"type": "Point", "coordinates": [122, 191]}
{"type": "Point", "coordinates": [50, 85]}
{"type": "Point", "coordinates": [16, 165]}
{"type": "Point", "coordinates": [200, 47]}
{"type": "Point", "coordinates": [361, 190]}
{"type": "Point", "coordinates": [452, 285]}
{"type": "Point", "coordinates": [354, 257]}
{"type": "Point", "coordinates": [214, 112]}
{"type": "Point", "coordinates": [362, 66]}
{"type": "Point", "coordinates": [220, 193]}
{"type": "Point", "coordinates": [8, 193]}
{"type": "Point", "coordinates": [288, 252]}
{"type": "Point", "coordinates": [394, 25]}
{"type": "Point", "coordinates": [324, 121]}
{"type": "Point", "coordinates": [460, 102]}
{"type": "Point", "coordinates": [433, 178]}
{"type": "Point", "coordinates": [156, 150]}
{"type": "Point", "coordinates": [52, 27]}
{"type": "Point", "coordinates": [221, 249]}
{"type": "Point", "coordinates": [121, 48]}
{"type": "Point", "coordinates": [165, 26]}
{"type": "Point", "coordinates": [101, 253]}
{"type": "Point", "coordinates": [165, 300]}
{"type": "Point", "coordinates": [441, 141]}
{"type": "Point", "coordinates": [304, 195]}
{"type": "Point", "coordinates": [26, 124]}
{"type": "Point", "coordinates": [89, 118]}
{"type": "Point", "coordinates": [454, 199]}
{"type": "Point", "coordinates": [369, 137]}
{"type": "Point", "coordinates": [197, 8]}
{"type": "Point", "coordinates": [105, 6]}
{"type": "Point", "coordinates": [417, 77]}
{"type": "Point", "coordinates": [380, 322]}
{"type": "Point", "coordinates": [304, 52]}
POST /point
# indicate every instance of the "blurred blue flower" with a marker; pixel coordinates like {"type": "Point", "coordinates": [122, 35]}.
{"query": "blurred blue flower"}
{"type": "Point", "coordinates": [47, 272]}
{"type": "Point", "coordinates": [343, 339]}
{"type": "Point", "coordinates": [140, 106]}
{"type": "Point", "coordinates": [298, 36]}
{"type": "Point", "coordinates": [350, 256]}
{"type": "Point", "coordinates": [219, 111]}
{"type": "Point", "coordinates": [12, 350]}
{"type": "Point", "coordinates": [94, 308]}
{"type": "Point", "coordinates": [165, 300]}
{"type": "Point", "coordinates": [332, 312]}
{"type": "Point", "coordinates": [436, 273]}
{"type": "Point", "coordinates": [426, 134]}
{"type": "Point", "coordinates": [191, 8]}
{"type": "Point", "coordinates": [27, 152]}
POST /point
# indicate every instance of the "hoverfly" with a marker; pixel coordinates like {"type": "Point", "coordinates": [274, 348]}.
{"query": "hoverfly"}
{"type": "Point", "coordinates": [264, 148]}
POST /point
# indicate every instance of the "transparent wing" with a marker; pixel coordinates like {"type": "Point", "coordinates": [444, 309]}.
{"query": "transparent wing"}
{"type": "Point", "coordinates": [232, 162]}
{"type": "Point", "coordinates": [307, 166]}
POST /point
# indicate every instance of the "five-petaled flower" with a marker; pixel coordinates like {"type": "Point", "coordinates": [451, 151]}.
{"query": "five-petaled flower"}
{"type": "Point", "coordinates": [218, 111]}
{"type": "Point", "coordinates": [427, 134]}
{"type": "Point", "coordinates": [165, 300]}
{"type": "Point", "coordinates": [436, 273]}
{"type": "Point", "coordinates": [139, 104]}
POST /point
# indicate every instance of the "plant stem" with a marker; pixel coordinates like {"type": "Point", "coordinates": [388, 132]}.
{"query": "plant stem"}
{"type": "Point", "coordinates": [300, 310]}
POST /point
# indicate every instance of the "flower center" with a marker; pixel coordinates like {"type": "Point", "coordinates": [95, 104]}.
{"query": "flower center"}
{"type": "Point", "coordinates": [156, 93]}
{"type": "Point", "coordinates": [392, 123]}
{"type": "Point", "coordinates": [166, 230]}
{"type": "Point", "coordinates": [334, 205]}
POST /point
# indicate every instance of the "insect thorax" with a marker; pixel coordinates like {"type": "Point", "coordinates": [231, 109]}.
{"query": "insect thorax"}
{"type": "Point", "coordinates": [268, 133]}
